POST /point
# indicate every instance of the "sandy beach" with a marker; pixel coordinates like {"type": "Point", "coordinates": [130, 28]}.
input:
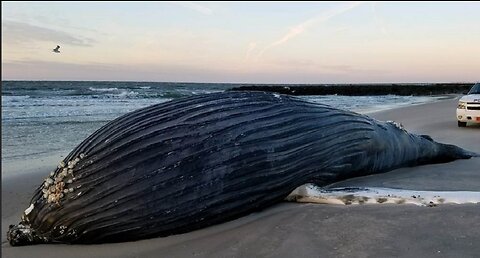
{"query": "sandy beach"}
{"type": "Point", "coordinates": [310, 230]}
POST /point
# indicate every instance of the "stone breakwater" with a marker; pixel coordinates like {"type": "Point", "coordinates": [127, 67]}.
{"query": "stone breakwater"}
{"type": "Point", "coordinates": [413, 89]}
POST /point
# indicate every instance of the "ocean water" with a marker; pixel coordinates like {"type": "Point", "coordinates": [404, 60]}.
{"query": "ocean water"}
{"type": "Point", "coordinates": [43, 121]}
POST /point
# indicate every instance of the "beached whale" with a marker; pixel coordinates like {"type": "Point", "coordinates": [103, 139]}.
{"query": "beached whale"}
{"type": "Point", "coordinates": [198, 161]}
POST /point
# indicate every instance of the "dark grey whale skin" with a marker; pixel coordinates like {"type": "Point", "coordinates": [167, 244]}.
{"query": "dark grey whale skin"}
{"type": "Point", "coordinates": [190, 163]}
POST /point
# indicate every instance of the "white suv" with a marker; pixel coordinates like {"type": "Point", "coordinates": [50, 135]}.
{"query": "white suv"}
{"type": "Point", "coordinates": [468, 109]}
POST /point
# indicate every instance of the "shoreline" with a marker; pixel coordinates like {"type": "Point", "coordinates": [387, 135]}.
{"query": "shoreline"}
{"type": "Point", "coordinates": [293, 229]}
{"type": "Point", "coordinates": [432, 99]}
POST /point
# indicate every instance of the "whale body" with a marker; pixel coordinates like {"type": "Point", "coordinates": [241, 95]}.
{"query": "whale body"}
{"type": "Point", "coordinates": [194, 162]}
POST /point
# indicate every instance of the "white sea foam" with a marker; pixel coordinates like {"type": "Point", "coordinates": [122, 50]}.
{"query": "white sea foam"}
{"type": "Point", "coordinates": [9, 99]}
{"type": "Point", "coordinates": [124, 94]}
{"type": "Point", "coordinates": [368, 104]}
{"type": "Point", "coordinates": [103, 89]}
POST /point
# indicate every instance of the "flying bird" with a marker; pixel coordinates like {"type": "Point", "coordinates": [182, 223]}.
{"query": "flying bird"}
{"type": "Point", "coordinates": [56, 50]}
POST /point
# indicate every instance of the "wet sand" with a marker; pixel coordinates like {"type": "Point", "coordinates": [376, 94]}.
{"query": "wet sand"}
{"type": "Point", "coordinates": [310, 230]}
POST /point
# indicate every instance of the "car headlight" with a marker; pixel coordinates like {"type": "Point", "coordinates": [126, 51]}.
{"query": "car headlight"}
{"type": "Point", "coordinates": [462, 105]}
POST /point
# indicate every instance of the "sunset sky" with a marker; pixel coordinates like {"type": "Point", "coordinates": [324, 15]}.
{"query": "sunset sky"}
{"type": "Point", "coordinates": [248, 42]}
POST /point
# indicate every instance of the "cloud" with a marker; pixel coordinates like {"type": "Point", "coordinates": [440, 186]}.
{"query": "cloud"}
{"type": "Point", "coordinates": [65, 23]}
{"type": "Point", "coordinates": [31, 69]}
{"type": "Point", "coordinates": [310, 65]}
{"type": "Point", "coordinates": [251, 48]}
{"type": "Point", "coordinates": [302, 27]}
{"type": "Point", "coordinates": [196, 7]}
{"type": "Point", "coordinates": [24, 33]}
{"type": "Point", "coordinates": [316, 73]}
{"type": "Point", "coordinates": [377, 19]}
{"type": "Point", "coordinates": [50, 70]}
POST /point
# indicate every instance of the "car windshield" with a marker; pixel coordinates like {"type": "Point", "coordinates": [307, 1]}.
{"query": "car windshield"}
{"type": "Point", "coordinates": [475, 89]}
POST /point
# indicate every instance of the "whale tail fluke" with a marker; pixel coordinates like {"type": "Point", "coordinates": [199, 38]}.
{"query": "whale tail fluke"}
{"type": "Point", "coordinates": [454, 152]}
{"type": "Point", "coordinates": [473, 154]}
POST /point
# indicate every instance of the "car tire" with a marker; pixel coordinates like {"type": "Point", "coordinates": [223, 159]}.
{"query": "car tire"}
{"type": "Point", "coordinates": [462, 124]}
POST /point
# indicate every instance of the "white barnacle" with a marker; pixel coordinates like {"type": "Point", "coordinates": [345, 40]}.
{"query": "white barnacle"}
{"type": "Point", "coordinates": [70, 166]}
{"type": "Point", "coordinates": [49, 181]}
{"type": "Point", "coordinates": [51, 189]}
{"type": "Point", "coordinates": [69, 181]}
{"type": "Point", "coordinates": [397, 125]}
{"type": "Point", "coordinates": [62, 229]}
{"type": "Point", "coordinates": [45, 195]}
{"type": "Point", "coordinates": [70, 189]}
{"type": "Point", "coordinates": [77, 160]}
{"type": "Point", "coordinates": [52, 173]}
{"type": "Point", "coordinates": [82, 155]}
{"type": "Point", "coordinates": [29, 209]}
{"type": "Point", "coordinates": [62, 164]}
{"type": "Point", "coordinates": [65, 190]}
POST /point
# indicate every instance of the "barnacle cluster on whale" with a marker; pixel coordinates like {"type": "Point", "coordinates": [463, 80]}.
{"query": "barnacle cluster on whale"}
{"type": "Point", "coordinates": [56, 186]}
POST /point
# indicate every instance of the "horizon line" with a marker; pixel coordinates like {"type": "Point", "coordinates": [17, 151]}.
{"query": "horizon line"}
{"type": "Point", "coordinates": [190, 82]}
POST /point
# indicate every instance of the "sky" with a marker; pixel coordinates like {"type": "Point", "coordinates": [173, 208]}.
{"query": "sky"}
{"type": "Point", "coordinates": [242, 42]}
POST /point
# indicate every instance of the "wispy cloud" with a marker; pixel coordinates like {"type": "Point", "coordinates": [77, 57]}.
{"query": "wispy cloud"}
{"type": "Point", "coordinates": [251, 48]}
{"type": "Point", "coordinates": [196, 7]}
{"type": "Point", "coordinates": [302, 27]}
{"type": "Point", "coordinates": [378, 20]}
{"type": "Point", "coordinates": [32, 69]}
{"type": "Point", "coordinates": [65, 23]}
{"type": "Point", "coordinates": [24, 33]}
{"type": "Point", "coordinates": [311, 65]}
{"type": "Point", "coordinates": [49, 70]}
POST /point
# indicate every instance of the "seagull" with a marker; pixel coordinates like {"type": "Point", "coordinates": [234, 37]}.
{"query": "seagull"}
{"type": "Point", "coordinates": [56, 50]}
